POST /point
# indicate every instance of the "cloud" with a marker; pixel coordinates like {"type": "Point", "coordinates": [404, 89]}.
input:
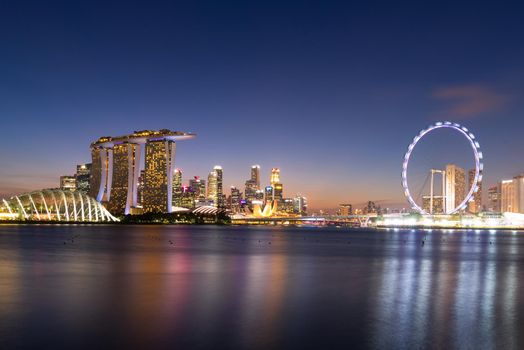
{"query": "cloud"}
{"type": "Point", "coordinates": [469, 101]}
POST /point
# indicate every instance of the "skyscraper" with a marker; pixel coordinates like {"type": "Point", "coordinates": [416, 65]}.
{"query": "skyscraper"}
{"type": "Point", "coordinates": [345, 209]}
{"type": "Point", "coordinates": [67, 183]}
{"type": "Point", "coordinates": [268, 194]}
{"type": "Point", "coordinates": [494, 198]}
{"type": "Point", "coordinates": [187, 198]}
{"type": "Point", "coordinates": [275, 176]}
{"type": "Point", "coordinates": [518, 183]}
{"type": "Point", "coordinates": [212, 190]}
{"type": "Point", "coordinates": [507, 196]}
{"type": "Point", "coordinates": [123, 190]}
{"type": "Point", "coordinates": [198, 186]}
{"type": "Point", "coordinates": [476, 205]}
{"type": "Point", "coordinates": [255, 176]}
{"type": "Point", "coordinates": [220, 203]}
{"type": "Point", "coordinates": [277, 192]}
{"type": "Point", "coordinates": [159, 170]}
{"type": "Point", "coordinates": [235, 198]}
{"type": "Point", "coordinates": [277, 186]}
{"type": "Point", "coordinates": [177, 188]}
{"type": "Point", "coordinates": [117, 163]}
{"type": "Point", "coordinates": [455, 186]}
{"type": "Point", "coordinates": [300, 205]}
{"type": "Point", "coordinates": [253, 184]}
{"type": "Point", "coordinates": [82, 177]}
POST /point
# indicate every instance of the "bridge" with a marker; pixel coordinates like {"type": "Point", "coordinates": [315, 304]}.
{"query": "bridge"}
{"type": "Point", "coordinates": [323, 220]}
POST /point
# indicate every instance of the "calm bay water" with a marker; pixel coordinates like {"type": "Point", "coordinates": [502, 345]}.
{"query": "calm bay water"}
{"type": "Point", "coordinates": [182, 287]}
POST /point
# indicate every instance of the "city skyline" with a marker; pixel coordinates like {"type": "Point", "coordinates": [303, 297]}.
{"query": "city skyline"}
{"type": "Point", "coordinates": [332, 109]}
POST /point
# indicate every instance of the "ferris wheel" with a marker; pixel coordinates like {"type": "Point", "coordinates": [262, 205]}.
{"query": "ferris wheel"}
{"type": "Point", "coordinates": [475, 183]}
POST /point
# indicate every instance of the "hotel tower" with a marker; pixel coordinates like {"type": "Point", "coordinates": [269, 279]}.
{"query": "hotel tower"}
{"type": "Point", "coordinates": [116, 166]}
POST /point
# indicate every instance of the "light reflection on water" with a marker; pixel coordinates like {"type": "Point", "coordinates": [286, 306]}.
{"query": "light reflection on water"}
{"type": "Point", "coordinates": [259, 288]}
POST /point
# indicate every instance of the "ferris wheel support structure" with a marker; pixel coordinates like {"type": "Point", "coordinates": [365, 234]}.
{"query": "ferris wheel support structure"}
{"type": "Point", "coordinates": [479, 167]}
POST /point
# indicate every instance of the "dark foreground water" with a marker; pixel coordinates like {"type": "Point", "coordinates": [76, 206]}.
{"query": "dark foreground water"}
{"type": "Point", "coordinates": [206, 287]}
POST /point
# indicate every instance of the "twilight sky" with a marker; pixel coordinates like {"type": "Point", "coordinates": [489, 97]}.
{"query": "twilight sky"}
{"type": "Point", "coordinates": [330, 92]}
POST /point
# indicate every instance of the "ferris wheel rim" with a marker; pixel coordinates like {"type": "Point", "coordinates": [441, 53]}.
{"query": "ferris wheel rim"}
{"type": "Point", "coordinates": [478, 164]}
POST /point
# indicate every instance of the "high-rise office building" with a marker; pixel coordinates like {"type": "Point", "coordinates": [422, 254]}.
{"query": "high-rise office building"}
{"type": "Point", "coordinates": [277, 185]}
{"type": "Point", "coordinates": [177, 187]}
{"type": "Point", "coordinates": [83, 177]}
{"type": "Point", "coordinates": [250, 190]}
{"type": "Point", "coordinates": [268, 194]}
{"type": "Point", "coordinates": [278, 192]}
{"type": "Point", "coordinates": [221, 202]}
{"type": "Point", "coordinates": [275, 176]}
{"type": "Point", "coordinates": [474, 206]}
{"type": "Point", "coordinates": [198, 186]}
{"type": "Point", "coordinates": [494, 199]}
{"type": "Point", "coordinates": [507, 196]}
{"type": "Point", "coordinates": [212, 190]}
{"type": "Point", "coordinates": [68, 183]}
{"type": "Point", "coordinates": [286, 205]}
{"type": "Point", "coordinates": [187, 198]}
{"type": "Point", "coordinates": [455, 187]}
{"type": "Point", "coordinates": [235, 198]}
{"type": "Point", "coordinates": [345, 209]}
{"type": "Point", "coordinates": [371, 208]}
{"type": "Point", "coordinates": [255, 176]}
{"type": "Point", "coordinates": [300, 205]}
{"type": "Point", "coordinates": [253, 185]}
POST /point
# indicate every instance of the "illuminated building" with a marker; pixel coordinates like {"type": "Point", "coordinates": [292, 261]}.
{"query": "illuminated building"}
{"type": "Point", "coordinates": [300, 205]}
{"type": "Point", "coordinates": [494, 199]}
{"type": "Point", "coordinates": [212, 191]}
{"type": "Point", "coordinates": [268, 194]}
{"type": "Point", "coordinates": [177, 188]}
{"type": "Point", "coordinates": [124, 157]}
{"type": "Point", "coordinates": [275, 176]}
{"type": "Point", "coordinates": [371, 208]}
{"type": "Point", "coordinates": [476, 205]}
{"type": "Point", "coordinates": [198, 186]}
{"type": "Point", "coordinates": [259, 195]}
{"type": "Point", "coordinates": [507, 196]}
{"type": "Point", "coordinates": [255, 176]}
{"type": "Point", "coordinates": [99, 168]}
{"type": "Point", "coordinates": [159, 170]}
{"type": "Point", "coordinates": [116, 166]}
{"type": "Point", "coordinates": [286, 205]}
{"type": "Point", "coordinates": [277, 195]}
{"type": "Point", "coordinates": [54, 205]}
{"type": "Point", "coordinates": [220, 203]}
{"type": "Point", "coordinates": [67, 183]}
{"type": "Point", "coordinates": [438, 204]}
{"type": "Point", "coordinates": [277, 192]}
{"type": "Point", "coordinates": [518, 182]}
{"type": "Point", "coordinates": [82, 177]}
{"type": "Point", "coordinates": [455, 187]}
{"type": "Point", "coordinates": [252, 186]}
{"type": "Point", "coordinates": [235, 198]}
{"type": "Point", "coordinates": [140, 188]}
{"type": "Point", "coordinates": [187, 198]}
{"type": "Point", "coordinates": [345, 209]}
